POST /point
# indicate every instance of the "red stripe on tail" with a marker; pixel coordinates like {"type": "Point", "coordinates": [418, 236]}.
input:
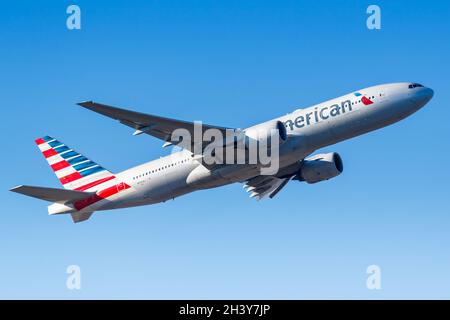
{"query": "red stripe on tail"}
{"type": "Point", "coordinates": [39, 141]}
{"type": "Point", "coordinates": [94, 183]}
{"type": "Point", "coordinates": [60, 165]}
{"type": "Point", "coordinates": [48, 153]}
{"type": "Point", "coordinates": [71, 177]}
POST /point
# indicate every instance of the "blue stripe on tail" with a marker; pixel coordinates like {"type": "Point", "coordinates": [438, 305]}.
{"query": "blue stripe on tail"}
{"type": "Point", "coordinates": [91, 171]}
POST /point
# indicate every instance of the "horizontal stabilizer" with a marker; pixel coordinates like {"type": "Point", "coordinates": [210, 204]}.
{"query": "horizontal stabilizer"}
{"type": "Point", "coordinates": [52, 194]}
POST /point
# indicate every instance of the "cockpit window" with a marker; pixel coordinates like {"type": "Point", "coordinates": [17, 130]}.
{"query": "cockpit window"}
{"type": "Point", "coordinates": [415, 85]}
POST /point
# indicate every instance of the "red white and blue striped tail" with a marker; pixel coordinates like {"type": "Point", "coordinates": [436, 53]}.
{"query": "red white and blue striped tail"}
{"type": "Point", "coordinates": [75, 171]}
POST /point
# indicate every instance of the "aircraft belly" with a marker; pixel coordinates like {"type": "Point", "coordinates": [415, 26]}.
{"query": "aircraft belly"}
{"type": "Point", "coordinates": [347, 125]}
{"type": "Point", "coordinates": [169, 185]}
{"type": "Point", "coordinates": [363, 120]}
{"type": "Point", "coordinates": [155, 188]}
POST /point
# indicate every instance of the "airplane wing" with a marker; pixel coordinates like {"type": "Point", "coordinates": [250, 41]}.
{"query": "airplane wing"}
{"type": "Point", "coordinates": [265, 186]}
{"type": "Point", "coordinates": [159, 127]}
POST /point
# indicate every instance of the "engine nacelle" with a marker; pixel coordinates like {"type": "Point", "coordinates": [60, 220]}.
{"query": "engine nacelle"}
{"type": "Point", "coordinates": [261, 134]}
{"type": "Point", "coordinates": [320, 167]}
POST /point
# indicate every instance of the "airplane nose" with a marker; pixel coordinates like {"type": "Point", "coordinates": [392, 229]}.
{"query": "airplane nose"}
{"type": "Point", "coordinates": [427, 94]}
{"type": "Point", "coordinates": [423, 96]}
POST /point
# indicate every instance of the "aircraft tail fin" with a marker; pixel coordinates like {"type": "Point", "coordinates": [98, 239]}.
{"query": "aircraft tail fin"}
{"type": "Point", "coordinates": [74, 171]}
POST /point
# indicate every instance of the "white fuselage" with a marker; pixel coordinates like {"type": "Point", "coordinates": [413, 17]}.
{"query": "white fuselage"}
{"type": "Point", "coordinates": [308, 129]}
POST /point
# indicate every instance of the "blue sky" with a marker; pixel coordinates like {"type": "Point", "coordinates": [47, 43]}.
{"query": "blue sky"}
{"type": "Point", "coordinates": [230, 63]}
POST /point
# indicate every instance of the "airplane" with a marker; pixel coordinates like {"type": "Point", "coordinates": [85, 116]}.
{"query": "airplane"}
{"type": "Point", "coordinates": [88, 187]}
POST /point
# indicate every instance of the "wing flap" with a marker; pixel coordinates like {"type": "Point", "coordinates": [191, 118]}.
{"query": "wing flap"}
{"type": "Point", "coordinates": [262, 187]}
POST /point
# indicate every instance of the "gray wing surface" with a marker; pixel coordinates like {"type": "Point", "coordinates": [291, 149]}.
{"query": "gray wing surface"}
{"type": "Point", "coordinates": [156, 126]}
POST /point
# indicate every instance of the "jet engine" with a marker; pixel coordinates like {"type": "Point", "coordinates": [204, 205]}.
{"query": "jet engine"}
{"type": "Point", "coordinates": [265, 134]}
{"type": "Point", "coordinates": [320, 167]}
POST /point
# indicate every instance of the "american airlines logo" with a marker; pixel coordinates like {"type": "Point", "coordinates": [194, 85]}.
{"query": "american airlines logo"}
{"type": "Point", "coordinates": [324, 113]}
{"type": "Point", "coordinates": [364, 99]}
